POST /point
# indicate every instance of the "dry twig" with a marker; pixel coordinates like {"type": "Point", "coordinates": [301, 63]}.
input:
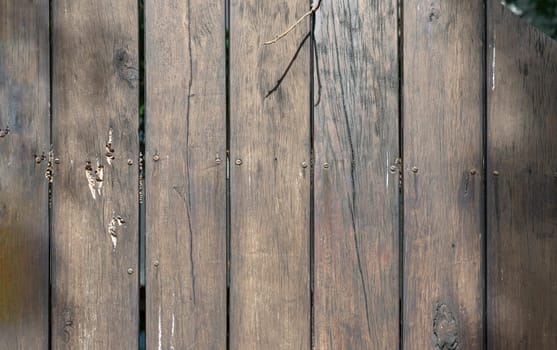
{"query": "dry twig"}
{"type": "Point", "coordinates": [312, 10]}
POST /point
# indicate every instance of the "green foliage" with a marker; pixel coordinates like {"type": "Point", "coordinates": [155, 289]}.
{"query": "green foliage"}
{"type": "Point", "coordinates": [540, 13]}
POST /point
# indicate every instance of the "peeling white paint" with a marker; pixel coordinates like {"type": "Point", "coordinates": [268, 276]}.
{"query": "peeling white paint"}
{"type": "Point", "coordinates": [109, 148]}
{"type": "Point", "coordinates": [172, 332]}
{"type": "Point", "coordinates": [387, 176]}
{"type": "Point", "coordinates": [91, 180]}
{"type": "Point", "coordinates": [113, 229]}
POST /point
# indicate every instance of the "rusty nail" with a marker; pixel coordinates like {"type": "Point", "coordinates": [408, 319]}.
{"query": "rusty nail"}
{"type": "Point", "coordinates": [130, 162]}
{"type": "Point", "coordinates": [473, 172]}
{"type": "Point", "coordinates": [325, 165]}
{"type": "Point", "coordinates": [156, 157]}
{"type": "Point", "coordinates": [156, 263]}
{"type": "Point", "coordinates": [238, 161]}
{"type": "Point", "coordinates": [415, 169]}
{"type": "Point", "coordinates": [304, 165]}
{"type": "Point", "coordinates": [130, 271]}
{"type": "Point", "coordinates": [495, 173]}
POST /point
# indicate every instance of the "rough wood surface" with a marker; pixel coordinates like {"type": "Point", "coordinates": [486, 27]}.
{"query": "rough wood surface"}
{"type": "Point", "coordinates": [270, 188]}
{"type": "Point", "coordinates": [443, 192]}
{"type": "Point", "coordinates": [186, 174]}
{"type": "Point", "coordinates": [522, 205]}
{"type": "Point", "coordinates": [94, 277]}
{"type": "Point", "coordinates": [356, 192]}
{"type": "Point", "coordinates": [24, 97]}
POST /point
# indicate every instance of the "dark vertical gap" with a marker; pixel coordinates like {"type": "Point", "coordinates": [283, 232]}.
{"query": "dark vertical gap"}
{"type": "Point", "coordinates": [141, 174]}
{"type": "Point", "coordinates": [401, 172]}
{"type": "Point", "coordinates": [50, 230]}
{"type": "Point", "coordinates": [228, 208]}
{"type": "Point", "coordinates": [312, 62]}
{"type": "Point", "coordinates": [484, 170]}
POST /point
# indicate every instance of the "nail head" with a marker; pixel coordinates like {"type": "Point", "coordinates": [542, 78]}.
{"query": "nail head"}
{"type": "Point", "coordinates": [326, 165]}
{"type": "Point", "coordinates": [393, 169]}
{"type": "Point", "coordinates": [218, 161]}
{"type": "Point", "coordinates": [156, 157]}
{"type": "Point", "coordinates": [130, 162]}
{"type": "Point", "coordinates": [415, 169]}
{"type": "Point", "coordinates": [130, 271]}
{"type": "Point", "coordinates": [156, 263]}
{"type": "Point", "coordinates": [473, 172]}
{"type": "Point", "coordinates": [238, 161]}
{"type": "Point", "coordinates": [495, 173]}
{"type": "Point", "coordinates": [304, 165]}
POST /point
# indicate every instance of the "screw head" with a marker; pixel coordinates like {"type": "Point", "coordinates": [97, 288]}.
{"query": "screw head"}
{"type": "Point", "coordinates": [130, 271]}
{"type": "Point", "coordinates": [415, 169]}
{"type": "Point", "coordinates": [130, 162]}
{"type": "Point", "coordinates": [304, 165]}
{"type": "Point", "coordinates": [156, 157]}
{"type": "Point", "coordinates": [238, 161]}
{"type": "Point", "coordinates": [325, 165]}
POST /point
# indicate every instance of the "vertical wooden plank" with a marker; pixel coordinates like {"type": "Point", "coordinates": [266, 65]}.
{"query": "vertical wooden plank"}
{"type": "Point", "coordinates": [186, 174]}
{"type": "Point", "coordinates": [522, 184]}
{"type": "Point", "coordinates": [24, 99]}
{"type": "Point", "coordinates": [356, 193]}
{"type": "Point", "coordinates": [443, 144]}
{"type": "Point", "coordinates": [270, 187]}
{"type": "Point", "coordinates": [95, 207]}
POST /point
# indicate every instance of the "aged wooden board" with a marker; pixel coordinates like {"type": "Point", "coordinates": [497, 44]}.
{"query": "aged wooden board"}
{"type": "Point", "coordinates": [522, 205]}
{"type": "Point", "coordinates": [95, 199]}
{"type": "Point", "coordinates": [186, 174]}
{"type": "Point", "coordinates": [443, 193]}
{"type": "Point", "coordinates": [24, 131]}
{"type": "Point", "coordinates": [356, 191]}
{"type": "Point", "coordinates": [270, 176]}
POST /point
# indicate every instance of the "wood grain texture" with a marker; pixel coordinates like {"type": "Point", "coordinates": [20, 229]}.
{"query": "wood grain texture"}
{"type": "Point", "coordinates": [95, 72]}
{"type": "Point", "coordinates": [522, 206]}
{"type": "Point", "coordinates": [270, 189]}
{"type": "Point", "coordinates": [186, 186]}
{"type": "Point", "coordinates": [443, 210]}
{"type": "Point", "coordinates": [356, 194]}
{"type": "Point", "coordinates": [24, 99]}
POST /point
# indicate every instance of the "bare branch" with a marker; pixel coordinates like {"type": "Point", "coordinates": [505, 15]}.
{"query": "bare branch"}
{"type": "Point", "coordinates": [314, 8]}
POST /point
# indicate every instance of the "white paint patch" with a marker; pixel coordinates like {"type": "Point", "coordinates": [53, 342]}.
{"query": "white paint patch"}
{"type": "Point", "coordinates": [159, 347]}
{"type": "Point", "coordinates": [109, 148]}
{"type": "Point", "coordinates": [493, 65]}
{"type": "Point", "coordinates": [387, 177]}
{"type": "Point", "coordinates": [172, 332]}
{"type": "Point", "coordinates": [91, 180]}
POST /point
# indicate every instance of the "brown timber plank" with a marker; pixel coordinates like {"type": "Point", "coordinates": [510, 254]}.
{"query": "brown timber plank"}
{"type": "Point", "coordinates": [270, 188]}
{"type": "Point", "coordinates": [24, 100]}
{"type": "Point", "coordinates": [356, 194]}
{"type": "Point", "coordinates": [522, 206]}
{"type": "Point", "coordinates": [443, 108]}
{"type": "Point", "coordinates": [94, 281]}
{"type": "Point", "coordinates": [186, 174]}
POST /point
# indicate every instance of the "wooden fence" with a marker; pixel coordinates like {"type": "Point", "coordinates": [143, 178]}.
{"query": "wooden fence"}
{"type": "Point", "coordinates": [385, 178]}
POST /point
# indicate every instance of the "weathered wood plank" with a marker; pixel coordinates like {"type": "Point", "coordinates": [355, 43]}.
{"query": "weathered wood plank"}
{"type": "Point", "coordinates": [186, 174]}
{"type": "Point", "coordinates": [443, 192]}
{"type": "Point", "coordinates": [95, 279]}
{"type": "Point", "coordinates": [24, 99]}
{"type": "Point", "coordinates": [270, 188]}
{"type": "Point", "coordinates": [522, 206]}
{"type": "Point", "coordinates": [356, 193]}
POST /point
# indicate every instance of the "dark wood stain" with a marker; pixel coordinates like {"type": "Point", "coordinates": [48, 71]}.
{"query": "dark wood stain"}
{"type": "Point", "coordinates": [270, 200]}
{"type": "Point", "coordinates": [356, 196]}
{"type": "Point", "coordinates": [522, 206]}
{"type": "Point", "coordinates": [186, 186]}
{"type": "Point", "coordinates": [24, 131]}
{"type": "Point", "coordinates": [443, 120]}
{"type": "Point", "coordinates": [94, 284]}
